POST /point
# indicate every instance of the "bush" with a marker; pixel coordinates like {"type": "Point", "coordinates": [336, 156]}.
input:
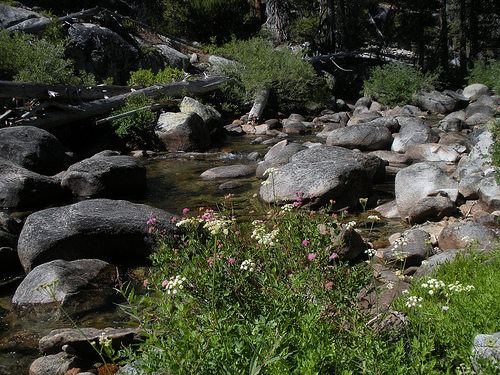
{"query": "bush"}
{"type": "Point", "coordinates": [395, 84]}
{"type": "Point", "coordinates": [258, 65]}
{"type": "Point", "coordinates": [25, 58]}
{"type": "Point", "coordinates": [488, 73]}
{"type": "Point", "coordinates": [146, 78]}
{"type": "Point", "coordinates": [137, 124]}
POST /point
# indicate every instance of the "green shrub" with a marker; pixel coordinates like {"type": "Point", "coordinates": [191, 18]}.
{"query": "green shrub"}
{"type": "Point", "coordinates": [146, 78]}
{"type": "Point", "coordinates": [395, 84]}
{"type": "Point", "coordinates": [137, 124]}
{"type": "Point", "coordinates": [495, 147]}
{"type": "Point", "coordinates": [294, 83]}
{"type": "Point", "coordinates": [25, 58]}
{"type": "Point", "coordinates": [487, 73]}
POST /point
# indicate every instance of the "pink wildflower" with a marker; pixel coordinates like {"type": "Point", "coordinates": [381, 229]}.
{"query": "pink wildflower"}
{"type": "Point", "coordinates": [251, 212]}
{"type": "Point", "coordinates": [333, 256]}
{"type": "Point", "coordinates": [311, 256]}
{"type": "Point", "coordinates": [306, 243]}
{"type": "Point", "coordinates": [231, 260]}
{"type": "Point", "coordinates": [185, 210]}
{"type": "Point", "coordinates": [145, 283]}
{"type": "Point", "coordinates": [164, 283]}
{"type": "Point", "coordinates": [151, 221]}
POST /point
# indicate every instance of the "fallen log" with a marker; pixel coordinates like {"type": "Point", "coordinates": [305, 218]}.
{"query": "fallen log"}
{"type": "Point", "coordinates": [61, 93]}
{"type": "Point", "coordinates": [102, 107]}
{"type": "Point", "coordinates": [258, 106]}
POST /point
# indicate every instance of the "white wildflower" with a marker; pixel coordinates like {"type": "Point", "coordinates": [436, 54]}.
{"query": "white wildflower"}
{"type": "Point", "coordinates": [373, 217]}
{"type": "Point", "coordinates": [247, 265]}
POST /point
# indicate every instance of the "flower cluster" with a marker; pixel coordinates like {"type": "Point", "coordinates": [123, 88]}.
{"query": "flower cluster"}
{"type": "Point", "coordinates": [373, 217]}
{"type": "Point", "coordinates": [414, 301]}
{"type": "Point", "coordinates": [350, 225]}
{"type": "Point", "coordinates": [434, 286]}
{"type": "Point", "coordinates": [174, 284]}
{"type": "Point", "coordinates": [217, 225]}
{"type": "Point", "coordinates": [456, 287]}
{"type": "Point", "coordinates": [371, 252]}
{"type": "Point", "coordinates": [105, 340]}
{"type": "Point", "coordinates": [261, 234]}
{"type": "Point", "coordinates": [248, 265]}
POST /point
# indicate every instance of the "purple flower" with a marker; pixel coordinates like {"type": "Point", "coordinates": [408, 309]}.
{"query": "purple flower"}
{"type": "Point", "coordinates": [151, 221]}
{"type": "Point", "coordinates": [333, 256]}
{"type": "Point", "coordinates": [306, 243]}
{"type": "Point", "coordinates": [231, 260]}
{"type": "Point", "coordinates": [185, 210]}
{"type": "Point", "coordinates": [311, 256]}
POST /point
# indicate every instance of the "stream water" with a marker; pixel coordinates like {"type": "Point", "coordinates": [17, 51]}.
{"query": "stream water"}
{"type": "Point", "coordinates": [174, 183]}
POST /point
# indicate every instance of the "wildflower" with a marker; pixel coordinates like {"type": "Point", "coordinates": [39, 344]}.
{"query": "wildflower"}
{"type": "Point", "coordinates": [445, 308]}
{"type": "Point", "coordinates": [371, 252]}
{"type": "Point", "coordinates": [252, 211]}
{"type": "Point", "coordinates": [466, 239]}
{"type": "Point", "coordinates": [414, 301]}
{"type": "Point", "coordinates": [151, 221]}
{"type": "Point", "coordinates": [406, 291]}
{"type": "Point", "coordinates": [333, 256]}
{"type": "Point", "coordinates": [231, 260]}
{"type": "Point", "coordinates": [247, 265]}
{"type": "Point", "coordinates": [174, 284]}
{"type": "Point", "coordinates": [104, 340]}
{"type": "Point", "coordinates": [228, 196]}
{"type": "Point", "coordinates": [185, 210]}
{"type": "Point", "coordinates": [262, 236]}
{"type": "Point", "coordinates": [306, 243]}
{"type": "Point", "coordinates": [145, 283]}
{"type": "Point", "coordinates": [373, 217]}
{"type": "Point", "coordinates": [390, 285]}
{"type": "Point", "coordinates": [350, 225]}
{"type": "Point", "coordinates": [271, 171]}
{"type": "Point", "coordinates": [311, 256]}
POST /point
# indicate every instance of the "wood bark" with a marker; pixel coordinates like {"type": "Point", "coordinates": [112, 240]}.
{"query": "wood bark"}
{"type": "Point", "coordinates": [62, 93]}
{"type": "Point", "coordinates": [259, 105]}
{"type": "Point", "coordinates": [102, 107]}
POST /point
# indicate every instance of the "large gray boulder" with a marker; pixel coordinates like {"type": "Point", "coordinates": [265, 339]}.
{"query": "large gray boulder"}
{"type": "Point", "coordinates": [437, 102]}
{"type": "Point", "coordinates": [182, 131]}
{"type": "Point", "coordinates": [421, 181]}
{"type": "Point", "coordinates": [105, 175]}
{"type": "Point", "coordinates": [21, 189]}
{"type": "Point", "coordinates": [409, 250]}
{"type": "Point", "coordinates": [365, 137]}
{"type": "Point", "coordinates": [414, 131]}
{"type": "Point", "coordinates": [55, 364]}
{"type": "Point", "coordinates": [210, 115]}
{"type": "Point", "coordinates": [172, 57]}
{"type": "Point", "coordinates": [32, 148]}
{"type": "Point", "coordinates": [433, 152]}
{"type": "Point", "coordinates": [280, 154]}
{"type": "Point", "coordinates": [14, 18]}
{"type": "Point", "coordinates": [78, 340]}
{"type": "Point", "coordinates": [474, 91]}
{"type": "Point", "coordinates": [228, 171]}
{"type": "Point", "coordinates": [324, 173]}
{"type": "Point", "coordinates": [102, 52]}
{"type": "Point", "coordinates": [111, 230]}
{"type": "Point", "coordinates": [458, 236]}
{"type": "Point", "coordinates": [79, 286]}
{"type": "Point", "coordinates": [479, 158]}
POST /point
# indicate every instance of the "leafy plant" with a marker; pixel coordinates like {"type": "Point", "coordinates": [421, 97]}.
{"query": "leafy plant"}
{"type": "Point", "coordinates": [486, 72]}
{"type": "Point", "coordinates": [495, 147]}
{"type": "Point", "coordinates": [395, 84]}
{"type": "Point", "coordinates": [26, 58]}
{"type": "Point", "coordinates": [136, 124]}
{"type": "Point", "coordinates": [254, 297]}
{"type": "Point", "coordinates": [146, 78]}
{"type": "Point", "coordinates": [259, 65]}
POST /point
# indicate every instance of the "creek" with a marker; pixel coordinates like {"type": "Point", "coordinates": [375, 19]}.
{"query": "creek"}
{"type": "Point", "coordinates": [174, 183]}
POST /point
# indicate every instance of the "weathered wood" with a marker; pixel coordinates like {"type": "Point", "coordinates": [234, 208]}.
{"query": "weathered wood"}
{"type": "Point", "coordinates": [259, 105]}
{"type": "Point", "coordinates": [102, 107]}
{"type": "Point", "coordinates": [63, 93]}
{"type": "Point", "coordinates": [153, 107]}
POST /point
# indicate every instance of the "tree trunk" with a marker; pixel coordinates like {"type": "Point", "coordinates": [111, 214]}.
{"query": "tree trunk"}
{"type": "Point", "coordinates": [463, 38]}
{"type": "Point", "coordinates": [443, 36]}
{"type": "Point", "coordinates": [330, 23]}
{"type": "Point", "coordinates": [277, 19]}
{"type": "Point", "coordinates": [343, 39]}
